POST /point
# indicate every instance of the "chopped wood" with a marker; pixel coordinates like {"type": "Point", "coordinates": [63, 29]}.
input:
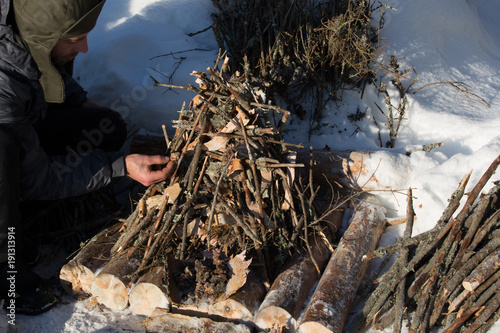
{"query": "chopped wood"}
{"type": "Point", "coordinates": [483, 271]}
{"type": "Point", "coordinates": [457, 265]}
{"type": "Point", "coordinates": [161, 321]}
{"type": "Point", "coordinates": [281, 307]}
{"type": "Point", "coordinates": [331, 301]}
{"type": "Point", "coordinates": [150, 292]}
{"type": "Point", "coordinates": [110, 286]}
{"type": "Point", "coordinates": [78, 274]}
{"type": "Point", "coordinates": [244, 303]}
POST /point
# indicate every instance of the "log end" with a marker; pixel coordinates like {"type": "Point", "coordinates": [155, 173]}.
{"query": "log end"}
{"type": "Point", "coordinates": [76, 279]}
{"type": "Point", "coordinates": [145, 297]}
{"type": "Point", "coordinates": [470, 286]}
{"type": "Point", "coordinates": [273, 317]}
{"type": "Point", "coordinates": [313, 327]}
{"type": "Point", "coordinates": [110, 291]}
{"type": "Point", "coordinates": [163, 321]}
{"type": "Point", "coordinates": [231, 309]}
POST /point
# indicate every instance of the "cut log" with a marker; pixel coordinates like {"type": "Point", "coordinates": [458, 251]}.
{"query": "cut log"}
{"type": "Point", "coordinates": [330, 303]}
{"type": "Point", "coordinates": [110, 286]}
{"type": "Point", "coordinates": [243, 304]}
{"type": "Point", "coordinates": [163, 321]}
{"type": "Point", "coordinates": [78, 274]}
{"type": "Point", "coordinates": [344, 167]}
{"type": "Point", "coordinates": [150, 292]}
{"type": "Point", "coordinates": [281, 307]}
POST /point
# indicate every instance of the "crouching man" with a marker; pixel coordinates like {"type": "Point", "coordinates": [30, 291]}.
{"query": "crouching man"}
{"type": "Point", "coordinates": [54, 142]}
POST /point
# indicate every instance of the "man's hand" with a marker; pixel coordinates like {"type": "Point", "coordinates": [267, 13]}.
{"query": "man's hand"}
{"type": "Point", "coordinates": [147, 169]}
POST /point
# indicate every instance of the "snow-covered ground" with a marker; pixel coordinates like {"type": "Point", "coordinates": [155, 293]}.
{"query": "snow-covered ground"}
{"type": "Point", "coordinates": [446, 40]}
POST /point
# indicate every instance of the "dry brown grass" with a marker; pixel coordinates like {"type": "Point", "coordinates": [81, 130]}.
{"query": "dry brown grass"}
{"type": "Point", "coordinates": [306, 44]}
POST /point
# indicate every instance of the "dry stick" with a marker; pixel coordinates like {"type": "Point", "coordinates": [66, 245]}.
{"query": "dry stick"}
{"type": "Point", "coordinates": [481, 294]}
{"type": "Point", "coordinates": [214, 201]}
{"type": "Point", "coordinates": [478, 188]}
{"type": "Point", "coordinates": [431, 234]}
{"type": "Point", "coordinates": [458, 323]}
{"type": "Point", "coordinates": [436, 266]}
{"type": "Point", "coordinates": [472, 223]}
{"type": "Point", "coordinates": [403, 258]}
{"type": "Point", "coordinates": [190, 179]}
{"type": "Point", "coordinates": [132, 222]}
{"type": "Point", "coordinates": [254, 171]}
{"type": "Point", "coordinates": [418, 323]}
{"type": "Point", "coordinates": [165, 239]}
{"type": "Point", "coordinates": [485, 314]}
{"type": "Point", "coordinates": [165, 135]}
{"type": "Point", "coordinates": [157, 223]}
{"type": "Point", "coordinates": [395, 273]}
{"type": "Point", "coordinates": [485, 230]}
{"type": "Point", "coordinates": [242, 224]}
{"type": "Point", "coordinates": [306, 238]}
{"type": "Point", "coordinates": [483, 271]}
{"type": "Point", "coordinates": [486, 326]}
{"type": "Point", "coordinates": [190, 137]}
{"type": "Point", "coordinates": [187, 216]}
{"type": "Point", "coordinates": [376, 300]}
{"type": "Point", "coordinates": [459, 275]}
{"type": "Point", "coordinates": [130, 234]}
{"type": "Point", "coordinates": [452, 283]}
{"type": "Point", "coordinates": [386, 319]}
{"type": "Point", "coordinates": [443, 256]}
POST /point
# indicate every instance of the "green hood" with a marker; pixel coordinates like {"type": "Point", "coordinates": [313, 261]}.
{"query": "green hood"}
{"type": "Point", "coordinates": [42, 23]}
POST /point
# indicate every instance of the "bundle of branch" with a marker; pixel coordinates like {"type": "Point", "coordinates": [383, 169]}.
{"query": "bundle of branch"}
{"type": "Point", "coordinates": [447, 276]}
{"type": "Point", "coordinates": [235, 199]}
{"type": "Point", "coordinates": [314, 45]}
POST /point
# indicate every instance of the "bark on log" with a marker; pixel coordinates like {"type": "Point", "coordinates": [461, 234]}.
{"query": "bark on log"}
{"type": "Point", "coordinates": [281, 306]}
{"type": "Point", "coordinates": [163, 321]}
{"type": "Point", "coordinates": [78, 274]}
{"type": "Point", "coordinates": [150, 292]}
{"type": "Point", "coordinates": [347, 168]}
{"type": "Point", "coordinates": [482, 272]}
{"type": "Point", "coordinates": [244, 303]}
{"type": "Point", "coordinates": [330, 303]}
{"type": "Point", "coordinates": [110, 286]}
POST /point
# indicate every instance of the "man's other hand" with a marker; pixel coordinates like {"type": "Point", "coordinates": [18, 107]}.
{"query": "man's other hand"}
{"type": "Point", "coordinates": [147, 169]}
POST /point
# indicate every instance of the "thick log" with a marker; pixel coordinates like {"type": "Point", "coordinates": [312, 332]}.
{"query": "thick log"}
{"type": "Point", "coordinates": [244, 303]}
{"type": "Point", "coordinates": [163, 321]}
{"type": "Point", "coordinates": [150, 292]}
{"type": "Point", "coordinates": [344, 167]}
{"type": "Point", "coordinates": [281, 307]}
{"type": "Point", "coordinates": [78, 274]}
{"type": "Point", "coordinates": [330, 303]}
{"type": "Point", "coordinates": [110, 286]}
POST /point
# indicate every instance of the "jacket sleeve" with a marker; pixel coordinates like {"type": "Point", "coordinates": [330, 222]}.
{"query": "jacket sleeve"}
{"type": "Point", "coordinates": [55, 177]}
{"type": "Point", "coordinates": [52, 177]}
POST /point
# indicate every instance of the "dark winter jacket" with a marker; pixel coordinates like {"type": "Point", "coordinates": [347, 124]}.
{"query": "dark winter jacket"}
{"type": "Point", "coordinates": [28, 80]}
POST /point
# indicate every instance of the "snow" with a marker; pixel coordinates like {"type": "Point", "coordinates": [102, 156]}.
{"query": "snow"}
{"type": "Point", "coordinates": [446, 40]}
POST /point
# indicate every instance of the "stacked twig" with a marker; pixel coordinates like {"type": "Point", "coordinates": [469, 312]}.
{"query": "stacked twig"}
{"type": "Point", "coordinates": [447, 276]}
{"type": "Point", "coordinates": [235, 194]}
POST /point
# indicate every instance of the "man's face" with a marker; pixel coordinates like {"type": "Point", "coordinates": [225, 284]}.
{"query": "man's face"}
{"type": "Point", "coordinates": [66, 49]}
